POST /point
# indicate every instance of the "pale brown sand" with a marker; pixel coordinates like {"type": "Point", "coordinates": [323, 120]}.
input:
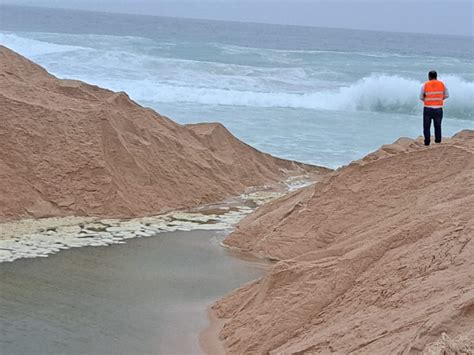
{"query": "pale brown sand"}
{"type": "Point", "coordinates": [69, 148]}
{"type": "Point", "coordinates": [209, 338]}
{"type": "Point", "coordinates": [377, 258]}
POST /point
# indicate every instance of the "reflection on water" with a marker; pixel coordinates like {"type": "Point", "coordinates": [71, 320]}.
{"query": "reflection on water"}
{"type": "Point", "coordinates": [148, 296]}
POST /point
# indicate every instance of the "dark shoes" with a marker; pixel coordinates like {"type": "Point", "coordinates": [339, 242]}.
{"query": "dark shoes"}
{"type": "Point", "coordinates": [428, 143]}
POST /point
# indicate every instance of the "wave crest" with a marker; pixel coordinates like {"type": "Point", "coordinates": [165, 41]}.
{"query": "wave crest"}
{"type": "Point", "coordinates": [376, 93]}
{"type": "Point", "coordinates": [383, 93]}
{"type": "Point", "coordinates": [182, 80]}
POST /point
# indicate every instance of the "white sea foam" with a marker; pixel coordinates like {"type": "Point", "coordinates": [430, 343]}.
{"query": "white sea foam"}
{"type": "Point", "coordinates": [376, 93]}
{"type": "Point", "coordinates": [40, 241]}
{"type": "Point", "coordinates": [40, 238]}
{"type": "Point", "coordinates": [153, 78]}
{"type": "Point", "coordinates": [185, 72]}
{"type": "Point", "coordinates": [30, 47]}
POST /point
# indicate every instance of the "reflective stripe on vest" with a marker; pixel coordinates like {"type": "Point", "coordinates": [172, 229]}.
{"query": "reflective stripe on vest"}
{"type": "Point", "coordinates": [434, 93]}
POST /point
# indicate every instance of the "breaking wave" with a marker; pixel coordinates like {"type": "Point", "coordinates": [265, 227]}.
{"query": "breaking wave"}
{"type": "Point", "coordinates": [123, 67]}
{"type": "Point", "coordinates": [376, 93]}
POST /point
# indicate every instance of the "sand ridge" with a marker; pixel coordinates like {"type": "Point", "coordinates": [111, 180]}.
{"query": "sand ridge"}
{"type": "Point", "coordinates": [72, 149]}
{"type": "Point", "coordinates": [376, 258]}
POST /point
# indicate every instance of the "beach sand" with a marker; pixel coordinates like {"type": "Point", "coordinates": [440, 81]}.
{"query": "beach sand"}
{"type": "Point", "coordinates": [376, 258]}
{"type": "Point", "coordinates": [209, 338]}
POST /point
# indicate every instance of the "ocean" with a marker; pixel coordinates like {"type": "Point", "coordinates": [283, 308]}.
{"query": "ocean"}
{"type": "Point", "coordinates": [317, 95]}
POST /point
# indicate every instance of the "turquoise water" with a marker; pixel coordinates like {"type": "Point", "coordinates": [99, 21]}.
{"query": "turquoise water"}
{"type": "Point", "coordinates": [322, 96]}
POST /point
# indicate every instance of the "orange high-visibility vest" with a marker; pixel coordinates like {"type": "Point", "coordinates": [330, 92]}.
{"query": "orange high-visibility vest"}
{"type": "Point", "coordinates": [434, 93]}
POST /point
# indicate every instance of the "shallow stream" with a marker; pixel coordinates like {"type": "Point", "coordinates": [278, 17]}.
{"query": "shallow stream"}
{"type": "Point", "coordinates": [147, 296]}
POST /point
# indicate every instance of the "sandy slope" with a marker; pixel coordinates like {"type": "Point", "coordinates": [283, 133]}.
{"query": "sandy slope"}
{"type": "Point", "coordinates": [377, 258]}
{"type": "Point", "coordinates": [69, 148]}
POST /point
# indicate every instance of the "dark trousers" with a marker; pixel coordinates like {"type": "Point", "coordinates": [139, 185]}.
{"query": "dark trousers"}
{"type": "Point", "coordinates": [435, 114]}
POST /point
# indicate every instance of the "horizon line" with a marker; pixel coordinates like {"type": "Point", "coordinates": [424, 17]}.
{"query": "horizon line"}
{"type": "Point", "coordinates": [115, 12]}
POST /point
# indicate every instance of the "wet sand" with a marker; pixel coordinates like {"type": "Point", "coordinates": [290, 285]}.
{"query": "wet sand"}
{"type": "Point", "coordinates": [149, 295]}
{"type": "Point", "coordinates": [209, 338]}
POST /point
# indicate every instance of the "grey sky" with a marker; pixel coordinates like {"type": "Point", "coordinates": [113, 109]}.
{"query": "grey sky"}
{"type": "Point", "coordinates": [435, 16]}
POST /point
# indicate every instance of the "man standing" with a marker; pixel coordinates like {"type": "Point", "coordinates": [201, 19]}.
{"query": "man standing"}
{"type": "Point", "coordinates": [433, 93]}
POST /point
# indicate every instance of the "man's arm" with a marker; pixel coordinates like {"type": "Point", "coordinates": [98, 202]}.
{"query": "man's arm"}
{"type": "Point", "coordinates": [446, 92]}
{"type": "Point", "coordinates": [422, 93]}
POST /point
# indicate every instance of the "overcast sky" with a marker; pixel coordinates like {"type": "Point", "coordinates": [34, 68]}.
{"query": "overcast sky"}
{"type": "Point", "coordinates": [435, 16]}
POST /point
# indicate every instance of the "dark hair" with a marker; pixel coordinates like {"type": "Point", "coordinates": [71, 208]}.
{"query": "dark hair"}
{"type": "Point", "coordinates": [433, 75]}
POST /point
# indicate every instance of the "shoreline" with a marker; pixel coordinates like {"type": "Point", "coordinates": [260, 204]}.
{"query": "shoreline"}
{"type": "Point", "coordinates": [209, 338]}
{"type": "Point", "coordinates": [39, 238]}
{"type": "Point", "coordinates": [209, 341]}
{"type": "Point", "coordinates": [30, 238]}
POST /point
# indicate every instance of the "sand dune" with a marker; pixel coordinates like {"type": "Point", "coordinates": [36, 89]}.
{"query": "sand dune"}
{"type": "Point", "coordinates": [69, 148]}
{"type": "Point", "coordinates": [377, 258]}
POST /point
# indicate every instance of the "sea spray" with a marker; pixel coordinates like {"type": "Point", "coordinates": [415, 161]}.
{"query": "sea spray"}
{"type": "Point", "coordinates": [375, 93]}
{"type": "Point", "coordinates": [159, 72]}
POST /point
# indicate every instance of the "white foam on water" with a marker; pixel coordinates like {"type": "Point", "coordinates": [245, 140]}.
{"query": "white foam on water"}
{"type": "Point", "coordinates": [384, 93]}
{"type": "Point", "coordinates": [129, 71]}
{"type": "Point", "coordinates": [40, 238]}
{"type": "Point", "coordinates": [124, 65]}
{"type": "Point", "coordinates": [41, 242]}
{"type": "Point", "coordinates": [376, 93]}
{"type": "Point", "coordinates": [31, 48]}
